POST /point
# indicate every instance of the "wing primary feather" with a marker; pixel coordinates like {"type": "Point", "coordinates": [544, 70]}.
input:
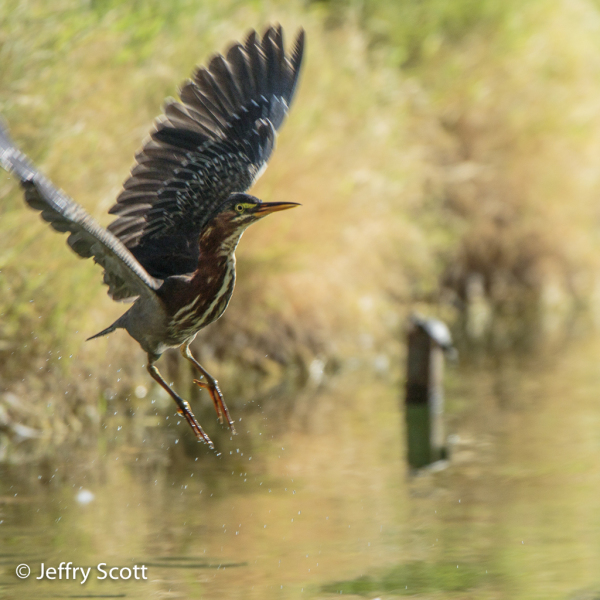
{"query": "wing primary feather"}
{"type": "Point", "coordinates": [257, 63]}
{"type": "Point", "coordinates": [221, 72]}
{"type": "Point", "coordinates": [205, 82]}
{"type": "Point", "coordinates": [192, 94]}
{"type": "Point", "coordinates": [238, 61]}
{"type": "Point", "coordinates": [296, 61]}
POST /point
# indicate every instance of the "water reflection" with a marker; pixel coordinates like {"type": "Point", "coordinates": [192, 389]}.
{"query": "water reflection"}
{"type": "Point", "coordinates": [313, 498]}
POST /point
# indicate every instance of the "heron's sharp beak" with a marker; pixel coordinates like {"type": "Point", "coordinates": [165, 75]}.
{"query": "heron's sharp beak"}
{"type": "Point", "coordinates": [267, 208]}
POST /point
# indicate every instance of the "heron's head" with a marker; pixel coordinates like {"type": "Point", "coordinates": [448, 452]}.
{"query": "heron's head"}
{"type": "Point", "coordinates": [234, 215]}
{"type": "Point", "coordinates": [241, 210]}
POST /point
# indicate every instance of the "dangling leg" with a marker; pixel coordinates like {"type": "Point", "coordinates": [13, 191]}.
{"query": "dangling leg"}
{"type": "Point", "coordinates": [183, 406]}
{"type": "Point", "coordinates": [211, 386]}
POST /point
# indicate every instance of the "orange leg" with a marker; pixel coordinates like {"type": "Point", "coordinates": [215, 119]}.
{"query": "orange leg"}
{"type": "Point", "coordinates": [210, 384]}
{"type": "Point", "coordinates": [183, 406]}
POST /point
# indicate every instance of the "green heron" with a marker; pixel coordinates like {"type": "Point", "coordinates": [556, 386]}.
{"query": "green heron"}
{"type": "Point", "coordinates": [183, 209]}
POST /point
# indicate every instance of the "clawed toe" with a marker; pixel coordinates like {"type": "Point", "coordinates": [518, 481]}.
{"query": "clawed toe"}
{"type": "Point", "coordinates": [218, 401]}
{"type": "Point", "coordinates": [211, 386]}
{"type": "Point", "coordinates": [196, 427]}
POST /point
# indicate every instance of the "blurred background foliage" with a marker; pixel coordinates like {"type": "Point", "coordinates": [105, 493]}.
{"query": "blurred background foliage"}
{"type": "Point", "coordinates": [446, 155]}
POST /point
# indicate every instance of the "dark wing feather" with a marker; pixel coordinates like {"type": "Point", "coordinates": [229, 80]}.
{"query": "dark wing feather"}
{"type": "Point", "coordinates": [125, 276]}
{"type": "Point", "coordinates": [215, 142]}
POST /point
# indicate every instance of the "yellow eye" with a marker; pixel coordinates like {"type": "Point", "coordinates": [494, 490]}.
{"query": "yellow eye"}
{"type": "Point", "coordinates": [239, 208]}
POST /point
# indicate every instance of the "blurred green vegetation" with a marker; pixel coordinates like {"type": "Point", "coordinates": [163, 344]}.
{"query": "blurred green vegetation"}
{"type": "Point", "coordinates": [432, 144]}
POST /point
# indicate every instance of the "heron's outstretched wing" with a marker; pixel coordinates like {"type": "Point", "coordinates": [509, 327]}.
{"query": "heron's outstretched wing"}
{"type": "Point", "coordinates": [125, 277]}
{"type": "Point", "coordinates": [214, 142]}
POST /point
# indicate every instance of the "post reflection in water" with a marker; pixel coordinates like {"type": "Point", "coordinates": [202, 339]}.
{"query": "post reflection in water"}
{"type": "Point", "coordinates": [305, 505]}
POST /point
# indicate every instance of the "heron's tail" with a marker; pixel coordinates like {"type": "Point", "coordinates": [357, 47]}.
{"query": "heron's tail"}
{"type": "Point", "coordinates": [116, 325]}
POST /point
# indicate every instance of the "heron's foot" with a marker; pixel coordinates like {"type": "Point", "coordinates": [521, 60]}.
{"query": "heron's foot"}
{"type": "Point", "coordinates": [187, 413]}
{"type": "Point", "coordinates": [217, 397]}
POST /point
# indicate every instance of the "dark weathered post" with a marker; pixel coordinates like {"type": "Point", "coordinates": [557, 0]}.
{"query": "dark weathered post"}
{"type": "Point", "coordinates": [428, 339]}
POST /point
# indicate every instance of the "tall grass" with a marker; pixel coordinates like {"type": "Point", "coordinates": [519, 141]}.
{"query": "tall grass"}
{"type": "Point", "coordinates": [429, 141]}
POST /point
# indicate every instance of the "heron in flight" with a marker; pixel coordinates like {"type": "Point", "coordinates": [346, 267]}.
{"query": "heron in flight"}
{"type": "Point", "coordinates": [184, 207]}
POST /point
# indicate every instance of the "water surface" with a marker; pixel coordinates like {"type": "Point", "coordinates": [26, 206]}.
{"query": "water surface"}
{"type": "Point", "coordinates": [313, 498]}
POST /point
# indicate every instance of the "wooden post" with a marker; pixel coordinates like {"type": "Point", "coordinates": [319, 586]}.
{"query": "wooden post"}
{"type": "Point", "coordinates": [428, 339]}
